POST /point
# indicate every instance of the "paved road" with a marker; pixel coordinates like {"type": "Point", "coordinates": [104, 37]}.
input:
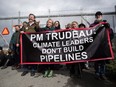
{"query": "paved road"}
{"type": "Point", "coordinates": [13, 78]}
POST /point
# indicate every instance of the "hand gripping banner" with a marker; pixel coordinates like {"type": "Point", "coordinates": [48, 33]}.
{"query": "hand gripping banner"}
{"type": "Point", "coordinates": [66, 46]}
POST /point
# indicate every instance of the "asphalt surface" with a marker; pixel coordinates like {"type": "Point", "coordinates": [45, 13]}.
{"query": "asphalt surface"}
{"type": "Point", "coordinates": [13, 78]}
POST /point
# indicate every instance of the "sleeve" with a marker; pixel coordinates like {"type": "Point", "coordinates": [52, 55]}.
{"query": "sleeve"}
{"type": "Point", "coordinates": [18, 38]}
{"type": "Point", "coordinates": [11, 42]}
{"type": "Point", "coordinates": [111, 33]}
{"type": "Point", "coordinates": [22, 29]}
{"type": "Point", "coordinates": [37, 27]}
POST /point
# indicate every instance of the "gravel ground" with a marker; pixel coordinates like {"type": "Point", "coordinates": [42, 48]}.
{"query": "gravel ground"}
{"type": "Point", "coordinates": [13, 78]}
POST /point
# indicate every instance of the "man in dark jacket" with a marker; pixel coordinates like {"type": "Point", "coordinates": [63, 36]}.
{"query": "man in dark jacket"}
{"type": "Point", "coordinates": [99, 19]}
{"type": "Point", "coordinates": [1, 55]}
{"type": "Point", "coordinates": [14, 46]}
{"type": "Point", "coordinates": [31, 26]}
{"type": "Point", "coordinates": [100, 65]}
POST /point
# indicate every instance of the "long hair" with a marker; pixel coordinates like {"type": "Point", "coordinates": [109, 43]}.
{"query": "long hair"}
{"type": "Point", "coordinates": [58, 25]}
{"type": "Point", "coordinates": [49, 20]}
{"type": "Point", "coordinates": [74, 22]}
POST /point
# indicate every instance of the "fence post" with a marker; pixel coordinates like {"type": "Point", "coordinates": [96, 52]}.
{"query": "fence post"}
{"type": "Point", "coordinates": [18, 17]}
{"type": "Point", "coordinates": [115, 19]}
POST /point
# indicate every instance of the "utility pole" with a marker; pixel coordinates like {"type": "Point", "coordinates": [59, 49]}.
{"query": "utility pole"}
{"type": "Point", "coordinates": [18, 17]}
{"type": "Point", "coordinates": [6, 42]}
{"type": "Point", "coordinates": [115, 19]}
{"type": "Point", "coordinates": [81, 11]}
{"type": "Point", "coordinates": [115, 10]}
{"type": "Point", "coordinates": [11, 23]}
{"type": "Point", "coordinates": [48, 13]}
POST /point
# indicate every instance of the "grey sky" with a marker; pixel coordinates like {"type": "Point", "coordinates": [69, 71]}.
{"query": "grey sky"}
{"type": "Point", "coordinates": [11, 7]}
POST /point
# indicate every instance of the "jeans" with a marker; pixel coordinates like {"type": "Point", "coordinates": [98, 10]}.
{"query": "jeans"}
{"type": "Point", "coordinates": [100, 67]}
{"type": "Point", "coordinates": [30, 67]}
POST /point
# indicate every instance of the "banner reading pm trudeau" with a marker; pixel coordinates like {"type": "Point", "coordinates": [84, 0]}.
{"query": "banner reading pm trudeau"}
{"type": "Point", "coordinates": [66, 46]}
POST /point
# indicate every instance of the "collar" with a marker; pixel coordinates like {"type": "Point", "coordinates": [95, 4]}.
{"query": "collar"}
{"type": "Point", "coordinates": [31, 23]}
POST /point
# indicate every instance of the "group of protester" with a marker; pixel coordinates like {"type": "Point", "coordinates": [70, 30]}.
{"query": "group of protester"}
{"type": "Point", "coordinates": [33, 26]}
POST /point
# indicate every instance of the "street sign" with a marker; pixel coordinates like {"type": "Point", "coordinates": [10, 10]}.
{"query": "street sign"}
{"type": "Point", "coordinates": [5, 31]}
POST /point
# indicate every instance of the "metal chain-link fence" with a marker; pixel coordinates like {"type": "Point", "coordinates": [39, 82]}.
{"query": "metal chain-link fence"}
{"type": "Point", "coordinates": [64, 16]}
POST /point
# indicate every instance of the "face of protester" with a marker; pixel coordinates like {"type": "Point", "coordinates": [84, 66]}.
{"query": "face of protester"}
{"type": "Point", "coordinates": [25, 24]}
{"type": "Point", "coordinates": [68, 26]}
{"type": "Point", "coordinates": [99, 17]}
{"type": "Point", "coordinates": [81, 27]}
{"type": "Point", "coordinates": [17, 28]}
{"type": "Point", "coordinates": [74, 25]}
{"type": "Point", "coordinates": [49, 23]}
{"type": "Point", "coordinates": [56, 24]}
{"type": "Point", "coordinates": [31, 18]}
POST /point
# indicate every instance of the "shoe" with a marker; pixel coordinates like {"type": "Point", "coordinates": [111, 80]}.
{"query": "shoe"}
{"type": "Point", "coordinates": [13, 67]}
{"type": "Point", "coordinates": [24, 73]}
{"type": "Point", "coordinates": [78, 76]}
{"type": "Point", "coordinates": [97, 77]}
{"type": "Point", "coordinates": [87, 68]}
{"type": "Point", "coordinates": [32, 73]}
{"type": "Point", "coordinates": [103, 77]}
{"type": "Point", "coordinates": [4, 67]}
{"type": "Point", "coordinates": [46, 73]}
{"type": "Point", "coordinates": [71, 74]}
{"type": "Point", "coordinates": [18, 67]}
{"type": "Point", "coordinates": [37, 75]}
{"type": "Point", "coordinates": [50, 74]}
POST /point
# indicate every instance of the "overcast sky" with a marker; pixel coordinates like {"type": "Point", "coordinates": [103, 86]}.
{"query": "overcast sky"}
{"type": "Point", "coordinates": [10, 8]}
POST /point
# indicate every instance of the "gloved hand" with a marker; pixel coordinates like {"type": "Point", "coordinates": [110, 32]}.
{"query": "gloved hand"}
{"type": "Point", "coordinates": [107, 25]}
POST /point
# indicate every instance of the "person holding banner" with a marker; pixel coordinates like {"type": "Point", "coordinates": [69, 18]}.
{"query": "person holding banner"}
{"type": "Point", "coordinates": [84, 65]}
{"type": "Point", "coordinates": [48, 69]}
{"type": "Point", "coordinates": [24, 27]}
{"type": "Point", "coordinates": [31, 26]}
{"type": "Point", "coordinates": [68, 26]}
{"type": "Point", "coordinates": [75, 68]}
{"type": "Point", "coordinates": [82, 25]}
{"type": "Point", "coordinates": [57, 25]}
{"type": "Point", "coordinates": [100, 66]}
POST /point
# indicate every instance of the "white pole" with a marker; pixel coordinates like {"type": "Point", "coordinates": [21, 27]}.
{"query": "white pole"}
{"type": "Point", "coordinates": [4, 40]}
{"type": "Point", "coordinates": [19, 18]}
{"type": "Point", "coordinates": [49, 14]}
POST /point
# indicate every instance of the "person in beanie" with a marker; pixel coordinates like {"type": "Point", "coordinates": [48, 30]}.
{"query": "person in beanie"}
{"type": "Point", "coordinates": [100, 66]}
{"type": "Point", "coordinates": [98, 16]}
